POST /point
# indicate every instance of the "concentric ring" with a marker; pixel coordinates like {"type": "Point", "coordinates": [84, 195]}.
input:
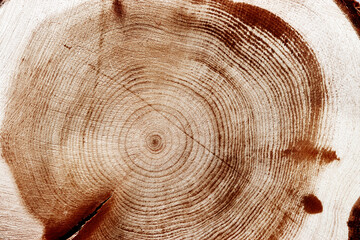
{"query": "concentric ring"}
{"type": "Point", "coordinates": [194, 118]}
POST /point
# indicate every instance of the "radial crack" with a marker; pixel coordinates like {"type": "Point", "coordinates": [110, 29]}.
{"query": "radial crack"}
{"type": "Point", "coordinates": [72, 232]}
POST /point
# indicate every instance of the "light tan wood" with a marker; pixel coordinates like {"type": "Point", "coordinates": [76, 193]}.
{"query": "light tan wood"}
{"type": "Point", "coordinates": [178, 119]}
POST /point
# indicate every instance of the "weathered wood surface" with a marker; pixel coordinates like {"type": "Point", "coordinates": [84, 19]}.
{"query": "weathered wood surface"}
{"type": "Point", "coordinates": [179, 120]}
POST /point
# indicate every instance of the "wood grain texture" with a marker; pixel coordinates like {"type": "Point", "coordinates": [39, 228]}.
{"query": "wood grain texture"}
{"type": "Point", "coordinates": [175, 120]}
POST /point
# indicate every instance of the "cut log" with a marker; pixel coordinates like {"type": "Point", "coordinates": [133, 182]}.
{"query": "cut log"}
{"type": "Point", "coordinates": [179, 119]}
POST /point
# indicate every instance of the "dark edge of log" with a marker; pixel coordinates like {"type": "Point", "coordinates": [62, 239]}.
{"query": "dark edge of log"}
{"type": "Point", "coordinates": [351, 9]}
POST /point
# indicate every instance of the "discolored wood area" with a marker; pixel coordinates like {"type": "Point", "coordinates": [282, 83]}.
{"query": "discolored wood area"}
{"type": "Point", "coordinates": [168, 120]}
{"type": "Point", "coordinates": [354, 221]}
{"type": "Point", "coordinates": [312, 204]}
{"type": "Point", "coordinates": [352, 10]}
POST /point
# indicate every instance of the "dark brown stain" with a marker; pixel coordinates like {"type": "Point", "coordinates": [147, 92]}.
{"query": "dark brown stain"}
{"type": "Point", "coordinates": [119, 8]}
{"type": "Point", "coordinates": [312, 204]}
{"type": "Point", "coordinates": [351, 8]}
{"type": "Point", "coordinates": [306, 151]}
{"type": "Point", "coordinates": [354, 222]}
{"type": "Point", "coordinates": [27, 139]}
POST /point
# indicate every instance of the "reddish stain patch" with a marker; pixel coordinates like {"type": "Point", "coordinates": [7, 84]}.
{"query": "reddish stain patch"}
{"type": "Point", "coordinates": [328, 156]}
{"type": "Point", "coordinates": [312, 204]}
{"type": "Point", "coordinates": [306, 151]}
{"type": "Point", "coordinates": [302, 150]}
{"type": "Point", "coordinates": [118, 8]}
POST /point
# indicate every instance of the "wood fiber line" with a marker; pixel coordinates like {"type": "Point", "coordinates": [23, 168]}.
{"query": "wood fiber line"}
{"type": "Point", "coordinates": [199, 118]}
